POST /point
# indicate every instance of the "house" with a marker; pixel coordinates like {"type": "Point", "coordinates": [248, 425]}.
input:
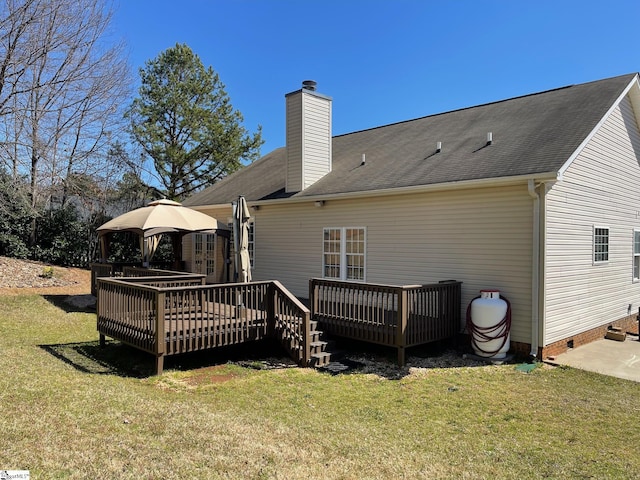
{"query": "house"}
{"type": "Point", "coordinates": [536, 196]}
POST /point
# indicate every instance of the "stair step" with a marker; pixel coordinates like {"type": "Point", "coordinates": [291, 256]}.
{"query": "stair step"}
{"type": "Point", "coordinates": [323, 358]}
{"type": "Point", "coordinates": [319, 346]}
{"type": "Point", "coordinates": [336, 367]}
{"type": "Point", "coordinates": [320, 359]}
{"type": "Point", "coordinates": [315, 337]}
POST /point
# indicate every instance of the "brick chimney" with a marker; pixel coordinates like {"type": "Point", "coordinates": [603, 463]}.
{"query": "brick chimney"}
{"type": "Point", "coordinates": [308, 137]}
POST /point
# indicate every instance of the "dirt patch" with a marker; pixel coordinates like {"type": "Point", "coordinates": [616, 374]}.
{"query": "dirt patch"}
{"type": "Point", "coordinates": [209, 375]}
{"type": "Point", "coordinates": [19, 277]}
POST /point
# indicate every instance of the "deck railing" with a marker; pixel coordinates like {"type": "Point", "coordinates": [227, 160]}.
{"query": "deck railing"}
{"type": "Point", "coordinates": [101, 270]}
{"type": "Point", "coordinates": [397, 316]}
{"type": "Point", "coordinates": [179, 314]}
{"type": "Point", "coordinates": [137, 271]}
{"type": "Point", "coordinates": [291, 324]}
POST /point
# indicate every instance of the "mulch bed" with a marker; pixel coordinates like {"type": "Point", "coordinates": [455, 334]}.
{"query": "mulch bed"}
{"type": "Point", "coordinates": [17, 275]}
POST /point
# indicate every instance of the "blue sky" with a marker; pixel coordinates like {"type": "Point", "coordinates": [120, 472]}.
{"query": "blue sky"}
{"type": "Point", "coordinates": [386, 61]}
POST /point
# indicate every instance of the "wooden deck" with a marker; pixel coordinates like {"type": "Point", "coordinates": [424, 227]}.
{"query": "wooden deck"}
{"type": "Point", "coordinates": [167, 313]}
{"type": "Point", "coordinates": [177, 314]}
{"type": "Point", "coordinates": [391, 315]}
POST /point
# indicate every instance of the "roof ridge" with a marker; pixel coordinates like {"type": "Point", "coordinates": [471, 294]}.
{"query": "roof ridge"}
{"type": "Point", "coordinates": [481, 105]}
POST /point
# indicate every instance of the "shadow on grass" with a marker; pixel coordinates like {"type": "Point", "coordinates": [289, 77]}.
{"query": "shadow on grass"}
{"type": "Point", "coordinates": [116, 358]}
{"type": "Point", "coordinates": [73, 303]}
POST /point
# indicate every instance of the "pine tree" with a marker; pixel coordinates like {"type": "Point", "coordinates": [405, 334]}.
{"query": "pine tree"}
{"type": "Point", "coordinates": [183, 119]}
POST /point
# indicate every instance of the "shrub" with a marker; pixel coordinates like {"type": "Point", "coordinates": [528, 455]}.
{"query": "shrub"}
{"type": "Point", "coordinates": [47, 272]}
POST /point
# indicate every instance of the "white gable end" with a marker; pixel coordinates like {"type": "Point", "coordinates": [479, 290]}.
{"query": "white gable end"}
{"type": "Point", "coordinates": [632, 92]}
{"type": "Point", "coordinates": [599, 189]}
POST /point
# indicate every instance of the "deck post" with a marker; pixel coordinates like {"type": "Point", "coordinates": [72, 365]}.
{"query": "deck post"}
{"type": "Point", "coordinates": [271, 309]}
{"type": "Point", "coordinates": [94, 292]}
{"type": "Point", "coordinates": [401, 334]}
{"type": "Point", "coordinates": [313, 297]}
{"type": "Point", "coordinates": [401, 357]}
{"type": "Point", "coordinates": [160, 346]}
{"type": "Point", "coordinates": [306, 338]}
{"type": "Point", "coordinates": [159, 364]}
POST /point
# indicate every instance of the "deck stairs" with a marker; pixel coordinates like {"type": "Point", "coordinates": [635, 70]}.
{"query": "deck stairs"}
{"type": "Point", "coordinates": [324, 353]}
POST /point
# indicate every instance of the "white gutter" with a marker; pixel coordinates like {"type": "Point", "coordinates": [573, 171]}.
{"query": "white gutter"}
{"type": "Point", "coordinates": [535, 264]}
{"type": "Point", "coordinates": [479, 183]}
{"type": "Point", "coordinates": [202, 208]}
{"type": "Point", "coordinates": [436, 187]}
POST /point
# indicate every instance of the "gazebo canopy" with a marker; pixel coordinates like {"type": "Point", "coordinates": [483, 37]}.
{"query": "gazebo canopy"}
{"type": "Point", "coordinates": [162, 216]}
{"type": "Point", "coordinates": [156, 219]}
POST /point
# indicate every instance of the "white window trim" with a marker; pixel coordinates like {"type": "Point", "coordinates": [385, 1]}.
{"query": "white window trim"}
{"type": "Point", "coordinates": [252, 244]}
{"type": "Point", "coordinates": [206, 254]}
{"type": "Point", "coordinates": [593, 245]}
{"type": "Point", "coordinates": [343, 254]}
{"type": "Point", "coordinates": [634, 255]}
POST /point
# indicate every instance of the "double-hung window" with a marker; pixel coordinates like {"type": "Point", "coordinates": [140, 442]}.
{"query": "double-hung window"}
{"type": "Point", "coordinates": [600, 244]}
{"type": "Point", "coordinates": [344, 253]}
{"type": "Point", "coordinates": [636, 255]}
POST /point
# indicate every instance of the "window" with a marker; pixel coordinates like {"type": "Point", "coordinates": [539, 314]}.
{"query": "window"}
{"type": "Point", "coordinates": [331, 253]}
{"type": "Point", "coordinates": [343, 253]}
{"type": "Point", "coordinates": [251, 242]}
{"type": "Point", "coordinates": [636, 255]}
{"type": "Point", "coordinates": [600, 244]}
{"type": "Point", "coordinates": [204, 253]}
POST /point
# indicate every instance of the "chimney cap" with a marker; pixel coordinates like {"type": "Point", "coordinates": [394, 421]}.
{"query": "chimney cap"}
{"type": "Point", "coordinates": [309, 85]}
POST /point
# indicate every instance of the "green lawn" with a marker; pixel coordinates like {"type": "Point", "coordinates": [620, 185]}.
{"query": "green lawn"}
{"type": "Point", "coordinates": [70, 410]}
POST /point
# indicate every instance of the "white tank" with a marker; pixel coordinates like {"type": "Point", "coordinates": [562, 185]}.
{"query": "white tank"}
{"type": "Point", "coordinates": [490, 325]}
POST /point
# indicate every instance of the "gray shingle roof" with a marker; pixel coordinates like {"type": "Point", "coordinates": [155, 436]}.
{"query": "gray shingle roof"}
{"type": "Point", "coordinates": [532, 134]}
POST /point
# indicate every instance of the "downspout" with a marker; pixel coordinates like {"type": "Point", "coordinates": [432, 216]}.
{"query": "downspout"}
{"type": "Point", "coordinates": [535, 269]}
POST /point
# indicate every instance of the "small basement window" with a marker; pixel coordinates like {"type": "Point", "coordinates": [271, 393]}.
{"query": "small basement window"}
{"type": "Point", "coordinates": [636, 255]}
{"type": "Point", "coordinates": [600, 244]}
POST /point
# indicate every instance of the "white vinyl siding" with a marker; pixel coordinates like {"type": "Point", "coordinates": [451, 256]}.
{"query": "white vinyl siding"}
{"type": "Point", "coordinates": [317, 146]}
{"type": "Point", "coordinates": [294, 144]}
{"type": "Point", "coordinates": [308, 139]}
{"type": "Point", "coordinates": [598, 189]}
{"type": "Point", "coordinates": [482, 237]}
